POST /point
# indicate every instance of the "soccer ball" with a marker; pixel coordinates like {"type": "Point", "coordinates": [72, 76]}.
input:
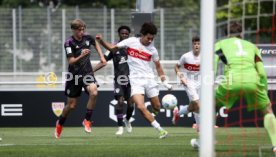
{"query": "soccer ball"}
{"type": "Point", "coordinates": [169, 101]}
{"type": "Point", "coordinates": [194, 143]}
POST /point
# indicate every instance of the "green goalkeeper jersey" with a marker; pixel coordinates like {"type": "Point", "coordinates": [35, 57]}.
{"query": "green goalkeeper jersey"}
{"type": "Point", "coordinates": [242, 61]}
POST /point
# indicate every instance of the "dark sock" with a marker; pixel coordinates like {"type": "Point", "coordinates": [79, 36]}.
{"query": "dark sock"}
{"type": "Point", "coordinates": [130, 109]}
{"type": "Point", "coordinates": [119, 110]}
{"type": "Point", "coordinates": [88, 114]}
{"type": "Point", "coordinates": [120, 119]}
{"type": "Point", "coordinates": [61, 120]}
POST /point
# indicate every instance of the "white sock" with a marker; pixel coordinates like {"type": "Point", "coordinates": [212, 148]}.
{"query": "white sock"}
{"type": "Point", "coordinates": [183, 110]}
{"type": "Point", "coordinates": [196, 115]}
{"type": "Point", "coordinates": [156, 125]}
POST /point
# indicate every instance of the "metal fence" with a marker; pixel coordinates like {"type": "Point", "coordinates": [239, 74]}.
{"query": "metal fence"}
{"type": "Point", "coordinates": [32, 39]}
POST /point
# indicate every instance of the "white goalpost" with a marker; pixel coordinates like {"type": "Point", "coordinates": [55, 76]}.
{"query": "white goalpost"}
{"type": "Point", "coordinates": [207, 40]}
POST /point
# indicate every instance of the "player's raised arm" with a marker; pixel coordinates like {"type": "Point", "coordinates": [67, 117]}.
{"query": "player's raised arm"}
{"type": "Point", "coordinates": [100, 53]}
{"type": "Point", "coordinates": [98, 66]}
{"type": "Point", "coordinates": [108, 46]}
{"type": "Point", "coordinates": [108, 56]}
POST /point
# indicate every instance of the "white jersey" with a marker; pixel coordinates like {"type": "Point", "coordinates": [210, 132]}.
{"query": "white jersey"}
{"type": "Point", "coordinates": [140, 57]}
{"type": "Point", "coordinates": [191, 66]}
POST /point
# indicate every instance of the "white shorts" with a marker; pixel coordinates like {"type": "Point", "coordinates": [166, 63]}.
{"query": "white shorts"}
{"type": "Point", "coordinates": [193, 91]}
{"type": "Point", "coordinates": [144, 86]}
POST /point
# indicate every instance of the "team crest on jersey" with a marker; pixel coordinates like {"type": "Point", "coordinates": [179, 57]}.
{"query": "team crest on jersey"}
{"type": "Point", "coordinates": [57, 108]}
{"type": "Point", "coordinates": [87, 43]}
{"type": "Point", "coordinates": [117, 90]}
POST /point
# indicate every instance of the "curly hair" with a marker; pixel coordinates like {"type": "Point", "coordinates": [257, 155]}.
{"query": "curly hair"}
{"type": "Point", "coordinates": [148, 28]}
{"type": "Point", "coordinates": [124, 27]}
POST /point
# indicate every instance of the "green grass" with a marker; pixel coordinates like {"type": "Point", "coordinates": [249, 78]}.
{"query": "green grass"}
{"type": "Point", "coordinates": [143, 142]}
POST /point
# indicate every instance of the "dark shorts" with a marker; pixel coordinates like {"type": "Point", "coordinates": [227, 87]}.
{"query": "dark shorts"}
{"type": "Point", "coordinates": [74, 87]}
{"type": "Point", "coordinates": [122, 90]}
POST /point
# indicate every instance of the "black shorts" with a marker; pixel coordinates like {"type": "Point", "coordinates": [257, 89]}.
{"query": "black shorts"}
{"type": "Point", "coordinates": [74, 87]}
{"type": "Point", "coordinates": [122, 90]}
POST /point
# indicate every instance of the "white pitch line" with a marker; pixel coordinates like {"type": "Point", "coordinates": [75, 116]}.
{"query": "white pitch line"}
{"type": "Point", "coordinates": [81, 144]}
{"type": "Point", "coordinates": [6, 145]}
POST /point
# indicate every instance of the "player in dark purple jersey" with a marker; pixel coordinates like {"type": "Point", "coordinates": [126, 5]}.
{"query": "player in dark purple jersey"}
{"type": "Point", "coordinates": [122, 87]}
{"type": "Point", "coordinates": [80, 73]}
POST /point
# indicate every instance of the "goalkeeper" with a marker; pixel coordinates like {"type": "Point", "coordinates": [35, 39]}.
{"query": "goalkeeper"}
{"type": "Point", "coordinates": [243, 63]}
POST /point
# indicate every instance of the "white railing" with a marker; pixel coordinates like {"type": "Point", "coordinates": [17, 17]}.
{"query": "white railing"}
{"type": "Point", "coordinates": [36, 80]}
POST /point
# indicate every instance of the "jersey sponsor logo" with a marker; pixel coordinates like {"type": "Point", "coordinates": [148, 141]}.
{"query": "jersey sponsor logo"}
{"type": "Point", "coordinates": [68, 50]}
{"type": "Point", "coordinates": [57, 108]}
{"type": "Point", "coordinates": [192, 67]}
{"type": "Point", "coordinates": [139, 54]}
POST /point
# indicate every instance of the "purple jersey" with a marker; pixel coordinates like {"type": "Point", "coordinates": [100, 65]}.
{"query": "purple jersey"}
{"type": "Point", "coordinates": [73, 48]}
{"type": "Point", "coordinates": [119, 62]}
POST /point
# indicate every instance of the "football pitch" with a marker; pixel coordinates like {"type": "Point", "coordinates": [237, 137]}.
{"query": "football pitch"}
{"type": "Point", "coordinates": [142, 142]}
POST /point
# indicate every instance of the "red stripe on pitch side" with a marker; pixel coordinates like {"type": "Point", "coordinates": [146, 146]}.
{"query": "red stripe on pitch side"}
{"type": "Point", "coordinates": [139, 54]}
{"type": "Point", "coordinates": [192, 67]}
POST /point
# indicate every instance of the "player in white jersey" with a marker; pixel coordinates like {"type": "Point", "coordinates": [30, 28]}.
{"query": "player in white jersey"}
{"type": "Point", "coordinates": [141, 55]}
{"type": "Point", "coordinates": [190, 79]}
